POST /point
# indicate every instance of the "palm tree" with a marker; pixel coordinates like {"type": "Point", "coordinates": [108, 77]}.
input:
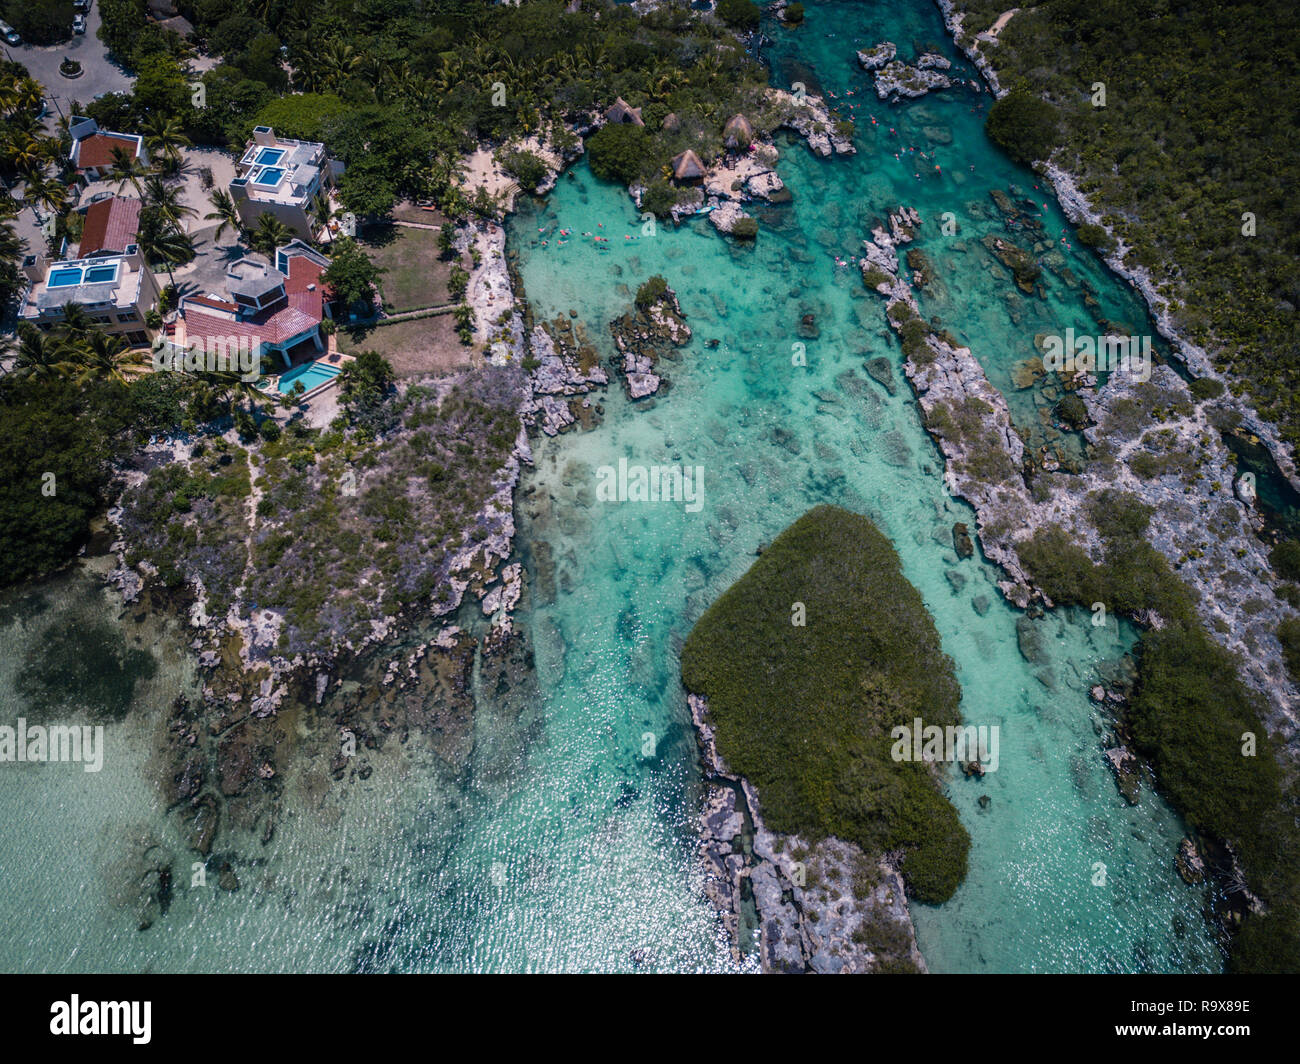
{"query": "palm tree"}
{"type": "Point", "coordinates": [162, 242]}
{"type": "Point", "coordinates": [322, 212]}
{"type": "Point", "coordinates": [165, 199]}
{"type": "Point", "coordinates": [337, 62]}
{"type": "Point", "coordinates": [12, 246]}
{"type": "Point", "coordinates": [232, 388]}
{"type": "Point", "coordinates": [105, 357]}
{"type": "Point", "coordinates": [269, 234]}
{"type": "Point", "coordinates": [25, 153]}
{"type": "Point", "coordinates": [38, 354]}
{"type": "Point", "coordinates": [226, 213]}
{"type": "Point", "coordinates": [76, 323]}
{"type": "Point", "coordinates": [50, 194]}
{"type": "Point", "coordinates": [164, 137]}
{"type": "Point", "coordinates": [127, 168]}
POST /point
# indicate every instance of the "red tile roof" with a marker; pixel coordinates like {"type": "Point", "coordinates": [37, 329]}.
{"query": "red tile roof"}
{"type": "Point", "coordinates": [97, 149]}
{"type": "Point", "coordinates": [111, 224]}
{"type": "Point", "coordinates": [304, 310]}
{"type": "Point", "coordinates": [213, 302]}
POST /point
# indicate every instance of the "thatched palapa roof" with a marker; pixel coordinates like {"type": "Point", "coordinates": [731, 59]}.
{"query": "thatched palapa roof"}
{"type": "Point", "coordinates": [621, 113]}
{"type": "Point", "coordinates": [738, 133]}
{"type": "Point", "coordinates": [687, 166]}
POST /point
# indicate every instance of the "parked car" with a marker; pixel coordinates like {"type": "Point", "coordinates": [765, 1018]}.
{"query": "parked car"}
{"type": "Point", "coordinates": [10, 34]}
{"type": "Point", "coordinates": [78, 23]}
{"type": "Point", "coordinates": [81, 5]}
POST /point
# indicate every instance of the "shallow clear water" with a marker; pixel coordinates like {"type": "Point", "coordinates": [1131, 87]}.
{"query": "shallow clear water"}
{"type": "Point", "coordinates": [567, 841]}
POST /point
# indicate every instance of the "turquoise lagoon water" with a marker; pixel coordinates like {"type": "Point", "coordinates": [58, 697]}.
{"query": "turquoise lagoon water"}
{"type": "Point", "coordinates": [567, 840]}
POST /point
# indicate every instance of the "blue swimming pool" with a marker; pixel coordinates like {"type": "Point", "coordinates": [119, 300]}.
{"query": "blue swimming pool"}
{"type": "Point", "coordinates": [99, 274]}
{"type": "Point", "coordinates": [310, 374]}
{"type": "Point", "coordinates": [269, 156]}
{"type": "Point", "coordinates": [270, 176]}
{"type": "Point", "coordinates": [64, 278]}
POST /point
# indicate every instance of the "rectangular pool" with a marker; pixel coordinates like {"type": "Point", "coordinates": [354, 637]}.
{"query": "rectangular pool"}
{"type": "Point", "coordinates": [65, 278]}
{"type": "Point", "coordinates": [269, 156]}
{"type": "Point", "coordinates": [269, 177]}
{"type": "Point", "coordinates": [311, 374]}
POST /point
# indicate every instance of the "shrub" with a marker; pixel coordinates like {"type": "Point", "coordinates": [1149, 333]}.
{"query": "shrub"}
{"type": "Point", "coordinates": [659, 199]}
{"type": "Point", "coordinates": [814, 735]}
{"type": "Point", "coordinates": [1092, 235]}
{"type": "Point", "coordinates": [530, 170]}
{"type": "Point", "coordinates": [1072, 411]}
{"type": "Point", "coordinates": [742, 14]}
{"type": "Point", "coordinates": [1285, 559]}
{"type": "Point", "coordinates": [1023, 125]}
{"type": "Point", "coordinates": [619, 152]}
{"type": "Point", "coordinates": [1206, 388]}
{"type": "Point", "coordinates": [651, 291]}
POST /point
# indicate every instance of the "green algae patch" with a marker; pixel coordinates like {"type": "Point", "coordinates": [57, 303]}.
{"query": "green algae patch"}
{"type": "Point", "coordinates": [804, 711]}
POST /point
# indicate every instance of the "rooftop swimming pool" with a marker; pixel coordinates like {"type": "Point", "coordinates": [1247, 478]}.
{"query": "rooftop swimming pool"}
{"type": "Point", "coordinates": [71, 276]}
{"type": "Point", "coordinates": [270, 176]}
{"type": "Point", "coordinates": [269, 156]}
{"type": "Point", "coordinates": [310, 374]}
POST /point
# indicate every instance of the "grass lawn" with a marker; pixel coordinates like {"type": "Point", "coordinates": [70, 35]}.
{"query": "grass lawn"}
{"type": "Point", "coordinates": [415, 276]}
{"type": "Point", "coordinates": [424, 345]}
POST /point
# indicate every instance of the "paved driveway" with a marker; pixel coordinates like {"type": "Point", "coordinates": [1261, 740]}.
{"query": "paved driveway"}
{"type": "Point", "coordinates": [99, 75]}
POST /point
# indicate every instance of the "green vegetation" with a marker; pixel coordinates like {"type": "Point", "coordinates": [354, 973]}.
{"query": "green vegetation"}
{"type": "Point", "coordinates": [651, 291]}
{"type": "Point", "coordinates": [1190, 713]}
{"type": "Point", "coordinates": [745, 229]}
{"type": "Point", "coordinates": [1288, 634]}
{"type": "Point", "coordinates": [743, 14]}
{"type": "Point", "coordinates": [1023, 125]}
{"type": "Point", "coordinates": [339, 536]}
{"type": "Point", "coordinates": [1092, 235]}
{"type": "Point", "coordinates": [40, 21]}
{"type": "Point", "coordinates": [351, 275]}
{"type": "Point", "coordinates": [529, 170]}
{"type": "Point", "coordinates": [1191, 161]}
{"type": "Point", "coordinates": [805, 712]}
{"type": "Point", "coordinates": [57, 441]}
{"type": "Point", "coordinates": [1072, 411]}
{"type": "Point", "coordinates": [619, 152]}
{"type": "Point", "coordinates": [400, 94]}
{"type": "Point", "coordinates": [1206, 388]}
{"type": "Point", "coordinates": [1285, 558]}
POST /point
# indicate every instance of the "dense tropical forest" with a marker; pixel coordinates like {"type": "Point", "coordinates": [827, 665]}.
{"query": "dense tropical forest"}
{"type": "Point", "coordinates": [400, 88]}
{"type": "Point", "coordinates": [1193, 158]}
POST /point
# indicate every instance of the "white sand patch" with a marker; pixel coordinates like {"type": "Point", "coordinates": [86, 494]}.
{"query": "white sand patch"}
{"type": "Point", "coordinates": [991, 34]}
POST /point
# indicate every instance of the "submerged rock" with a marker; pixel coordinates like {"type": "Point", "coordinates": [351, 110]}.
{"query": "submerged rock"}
{"type": "Point", "coordinates": [880, 371]}
{"type": "Point", "coordinates": [961, 540]}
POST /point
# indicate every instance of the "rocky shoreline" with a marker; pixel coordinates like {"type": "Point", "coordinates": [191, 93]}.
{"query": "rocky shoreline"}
{"type": "Point", "coordinates": [822, 908]}
{"type": "Point", "coordinates": [1205, 531]}
{"type": "Point", "coordinates": [1239, 559]}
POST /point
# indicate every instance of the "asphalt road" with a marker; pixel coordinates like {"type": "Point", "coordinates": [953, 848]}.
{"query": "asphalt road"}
{"type": "Point", "coordinates": [99, 75]}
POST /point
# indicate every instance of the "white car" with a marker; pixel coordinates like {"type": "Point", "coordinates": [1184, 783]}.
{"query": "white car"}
{"type": "Point", "coordinates": [78, 23]}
